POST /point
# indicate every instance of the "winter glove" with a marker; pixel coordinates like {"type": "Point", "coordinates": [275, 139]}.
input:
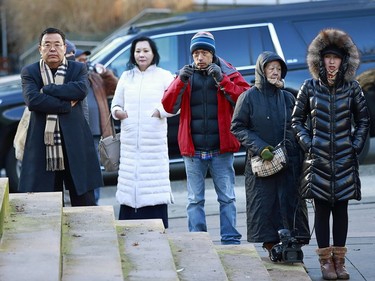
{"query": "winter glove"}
{"type": "Point", "coordinates": [185, 73]}
{"type": "Point", "coordinates": [215, 71]}
{"type": "Point", "coordinates": [267, 154]}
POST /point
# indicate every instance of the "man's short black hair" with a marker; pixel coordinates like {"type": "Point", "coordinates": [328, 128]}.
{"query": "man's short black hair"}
{"type": "Point", "coordinates": [51, 30]}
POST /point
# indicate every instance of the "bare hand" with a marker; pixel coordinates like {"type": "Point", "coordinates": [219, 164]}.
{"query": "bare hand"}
{"type": "Point", "coordinates": [274, 81]}
{"type": "Point", "coordinates": [99, 68]}
{"type": "Point", "coordinates": [156, 114]}
{"type": "Point", "coordinates": [120, 114]}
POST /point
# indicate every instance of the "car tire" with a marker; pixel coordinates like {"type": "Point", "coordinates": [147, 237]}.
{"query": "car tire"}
{"type": "Point", "coordinates": [13, 170]}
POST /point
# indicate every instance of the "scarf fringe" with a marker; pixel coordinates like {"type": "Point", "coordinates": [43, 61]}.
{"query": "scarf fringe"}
{"type": "Point", "coordinates": [55, 164]}
{"type": "Point", "coordinates": [55, 158]}
{"type": "Point", "coordinates": [48, 138]}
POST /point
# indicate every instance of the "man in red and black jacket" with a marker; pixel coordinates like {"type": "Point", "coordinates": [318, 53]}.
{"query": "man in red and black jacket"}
{"type": "Point", "coordinates": [205, 93]}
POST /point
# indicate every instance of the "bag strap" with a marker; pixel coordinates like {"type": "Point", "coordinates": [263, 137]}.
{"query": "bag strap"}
{"type": "Point", "coordinates": [112, 125]}
{"type": "Point", "coordinates": [226, 95]}
{"type": "Point", "coordinates": [285, 117]}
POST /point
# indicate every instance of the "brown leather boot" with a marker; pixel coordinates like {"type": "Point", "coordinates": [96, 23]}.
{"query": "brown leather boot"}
{"type": "Point", "coordinates": [326, 263]}
{"type": "Point", "coordinates": [268, 247]}
{"type": "Point", "coordinates": [339, 261]}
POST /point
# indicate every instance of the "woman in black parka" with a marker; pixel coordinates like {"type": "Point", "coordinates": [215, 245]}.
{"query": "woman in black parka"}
{"type": "Point", "coordinates": [331, 122]}
{"type": "Point", "coordinates": [273, 202]}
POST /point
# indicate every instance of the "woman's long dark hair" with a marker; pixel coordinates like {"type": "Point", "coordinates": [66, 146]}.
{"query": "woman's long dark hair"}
{"type": "Point", "coordinates": [131, 63]}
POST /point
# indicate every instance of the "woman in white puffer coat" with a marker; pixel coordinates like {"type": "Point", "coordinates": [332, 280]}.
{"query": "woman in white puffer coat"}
{"type": "Point", "coordinates": [143, 187]}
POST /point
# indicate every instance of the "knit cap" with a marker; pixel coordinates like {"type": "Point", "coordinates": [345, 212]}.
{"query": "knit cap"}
{"type": "Point", "coordinates": [333, 49]}
{"type": "Point", "coordinates": [70, 47]}
{"type": "Point", "coordinates": [203, 40]}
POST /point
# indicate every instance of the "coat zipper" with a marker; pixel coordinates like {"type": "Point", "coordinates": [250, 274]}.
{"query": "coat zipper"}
{"type": "Point", "coordinates": [138, 137]}
{"type": "Point", "coordinates": [332, 142]}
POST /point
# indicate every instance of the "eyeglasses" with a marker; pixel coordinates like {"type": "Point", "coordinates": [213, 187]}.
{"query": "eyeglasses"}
{"type": "Point", "coordinates": [54, 45]}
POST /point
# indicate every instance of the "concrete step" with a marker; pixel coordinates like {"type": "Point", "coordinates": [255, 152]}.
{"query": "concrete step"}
{"type": "Point", "coordinates": [31, 240]}
{"type": "Point", "coordinates": [280, 271]}
{"type": "Point", "coordinates": [90, 245]}
{"type": "Point", "coordinates": [242, 263]}
{"type": "Point", "coordinates": [145, 251]}
{"type": "Point", "coordinates": [195, 257]}
{"type": "Point", "coordinates": [4, 202]}
{"type": "Point", "coordinates": [40, 239]}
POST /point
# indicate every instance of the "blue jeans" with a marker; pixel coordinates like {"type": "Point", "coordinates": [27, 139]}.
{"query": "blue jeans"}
{"type": "Point", "coordinates": [222, 173]}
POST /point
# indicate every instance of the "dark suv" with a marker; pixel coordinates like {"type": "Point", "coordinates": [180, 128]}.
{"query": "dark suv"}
{"type": "Point", "coordinates": [241, 35]}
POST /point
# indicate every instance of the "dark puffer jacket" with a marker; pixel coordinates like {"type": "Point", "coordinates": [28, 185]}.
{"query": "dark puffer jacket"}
{"type": "Point", "coordinates": [331, 123]}
{"type": "Point", "coordinates": [177, 97]}
{"type": "Point", "coordinates": [272, 203]}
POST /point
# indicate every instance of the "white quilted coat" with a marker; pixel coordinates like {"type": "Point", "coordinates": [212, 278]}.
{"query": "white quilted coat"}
{"type": "Point", "coordinates": [144, 165]}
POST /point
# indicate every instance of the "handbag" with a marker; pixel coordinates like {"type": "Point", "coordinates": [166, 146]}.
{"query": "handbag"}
{"type": "Point", "coordinates": [264, 168]}
{"type": "Point", "coordinates": [21, 134]}
{"type": "Point", "coordinates": [109, 150]}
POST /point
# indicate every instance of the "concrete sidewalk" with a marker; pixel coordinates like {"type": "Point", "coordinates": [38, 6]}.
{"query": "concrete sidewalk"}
{"type": "Point", "coordinates": [361, 235]}
{"type": "Point", "coordinates": [360, 242]}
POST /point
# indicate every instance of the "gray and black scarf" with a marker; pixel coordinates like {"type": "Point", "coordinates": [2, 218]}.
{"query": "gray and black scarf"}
{"type": "Point", "coordinates": [52, 134]}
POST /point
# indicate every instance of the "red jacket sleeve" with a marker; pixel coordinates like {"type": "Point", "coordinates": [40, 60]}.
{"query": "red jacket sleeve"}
{"type": "Point", "coordinates": [234, 85]}
{"type": "Point", "coordinates": [173, 95]}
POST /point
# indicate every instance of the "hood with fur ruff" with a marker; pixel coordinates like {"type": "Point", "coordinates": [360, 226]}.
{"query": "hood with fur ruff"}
{"type": "Point", "coordinates": [341, 40]}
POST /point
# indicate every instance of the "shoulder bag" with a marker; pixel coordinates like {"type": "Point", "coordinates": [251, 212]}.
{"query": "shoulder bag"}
{"type": "Point", "coordinates": [109, 150]}
{"type": "Point", "coordinates": [21, 134]}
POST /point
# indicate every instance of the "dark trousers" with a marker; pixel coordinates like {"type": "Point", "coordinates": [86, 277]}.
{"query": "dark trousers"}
{"type": "Point", "coordinates": [147, 212]}
{"type": "Point", "coordinates": [64, 178]}
{"type": "Point", "coordinates": [323, 210]}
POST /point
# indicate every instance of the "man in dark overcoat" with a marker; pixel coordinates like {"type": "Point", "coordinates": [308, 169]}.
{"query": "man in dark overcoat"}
{"type": "Point", "coordinates": [59, 148]}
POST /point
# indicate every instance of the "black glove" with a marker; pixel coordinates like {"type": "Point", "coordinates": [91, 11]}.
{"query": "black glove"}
{"type": "Point", "coordinates": [186, 72]}
{"type": "Point", "coordinates": [215, 71]}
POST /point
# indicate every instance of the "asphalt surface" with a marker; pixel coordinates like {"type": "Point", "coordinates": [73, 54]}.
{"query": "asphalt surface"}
{"type": "Point", "coordinates": [361, 234]}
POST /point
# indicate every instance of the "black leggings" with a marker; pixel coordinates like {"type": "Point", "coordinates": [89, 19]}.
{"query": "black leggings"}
{"type": "Point", "coordinates": [323, 211]}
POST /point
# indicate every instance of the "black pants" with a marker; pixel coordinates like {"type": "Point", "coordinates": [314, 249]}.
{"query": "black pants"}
{"type": "Point", "coordinates": [323, 210]}
{"type": "Point", "coordinates": [147, 212]}
{"type": "Point", "coordinates": [65, 178]}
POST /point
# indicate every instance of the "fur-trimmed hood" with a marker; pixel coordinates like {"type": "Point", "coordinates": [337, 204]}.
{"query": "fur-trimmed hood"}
{"type": "Point", "coordinates": [341, 40]}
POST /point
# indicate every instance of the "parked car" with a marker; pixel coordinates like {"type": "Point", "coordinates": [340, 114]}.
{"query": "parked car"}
{"type": "Point", "coordinates": [241, 34]}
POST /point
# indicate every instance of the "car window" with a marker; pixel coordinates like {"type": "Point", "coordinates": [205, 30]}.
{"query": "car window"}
{"type": "Point", "coordinates": [118, 65]}
{"type": "Point", "coordinates": [100, 53]}
{"type": "Point", "coordinates": [241, 46]}
{"type": "Point", "coordinates": [359, 28]}
{"type": "Point", "coordinates": [168, 51]}
{"type": "Point", "coordinates": [293, 44]}
{"type": "Point", "coordinates": [13, 84]}
{"type": "Point", "coordinates": [167, 47]}
{"type": "Point", "coordinates": [296, 37]}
